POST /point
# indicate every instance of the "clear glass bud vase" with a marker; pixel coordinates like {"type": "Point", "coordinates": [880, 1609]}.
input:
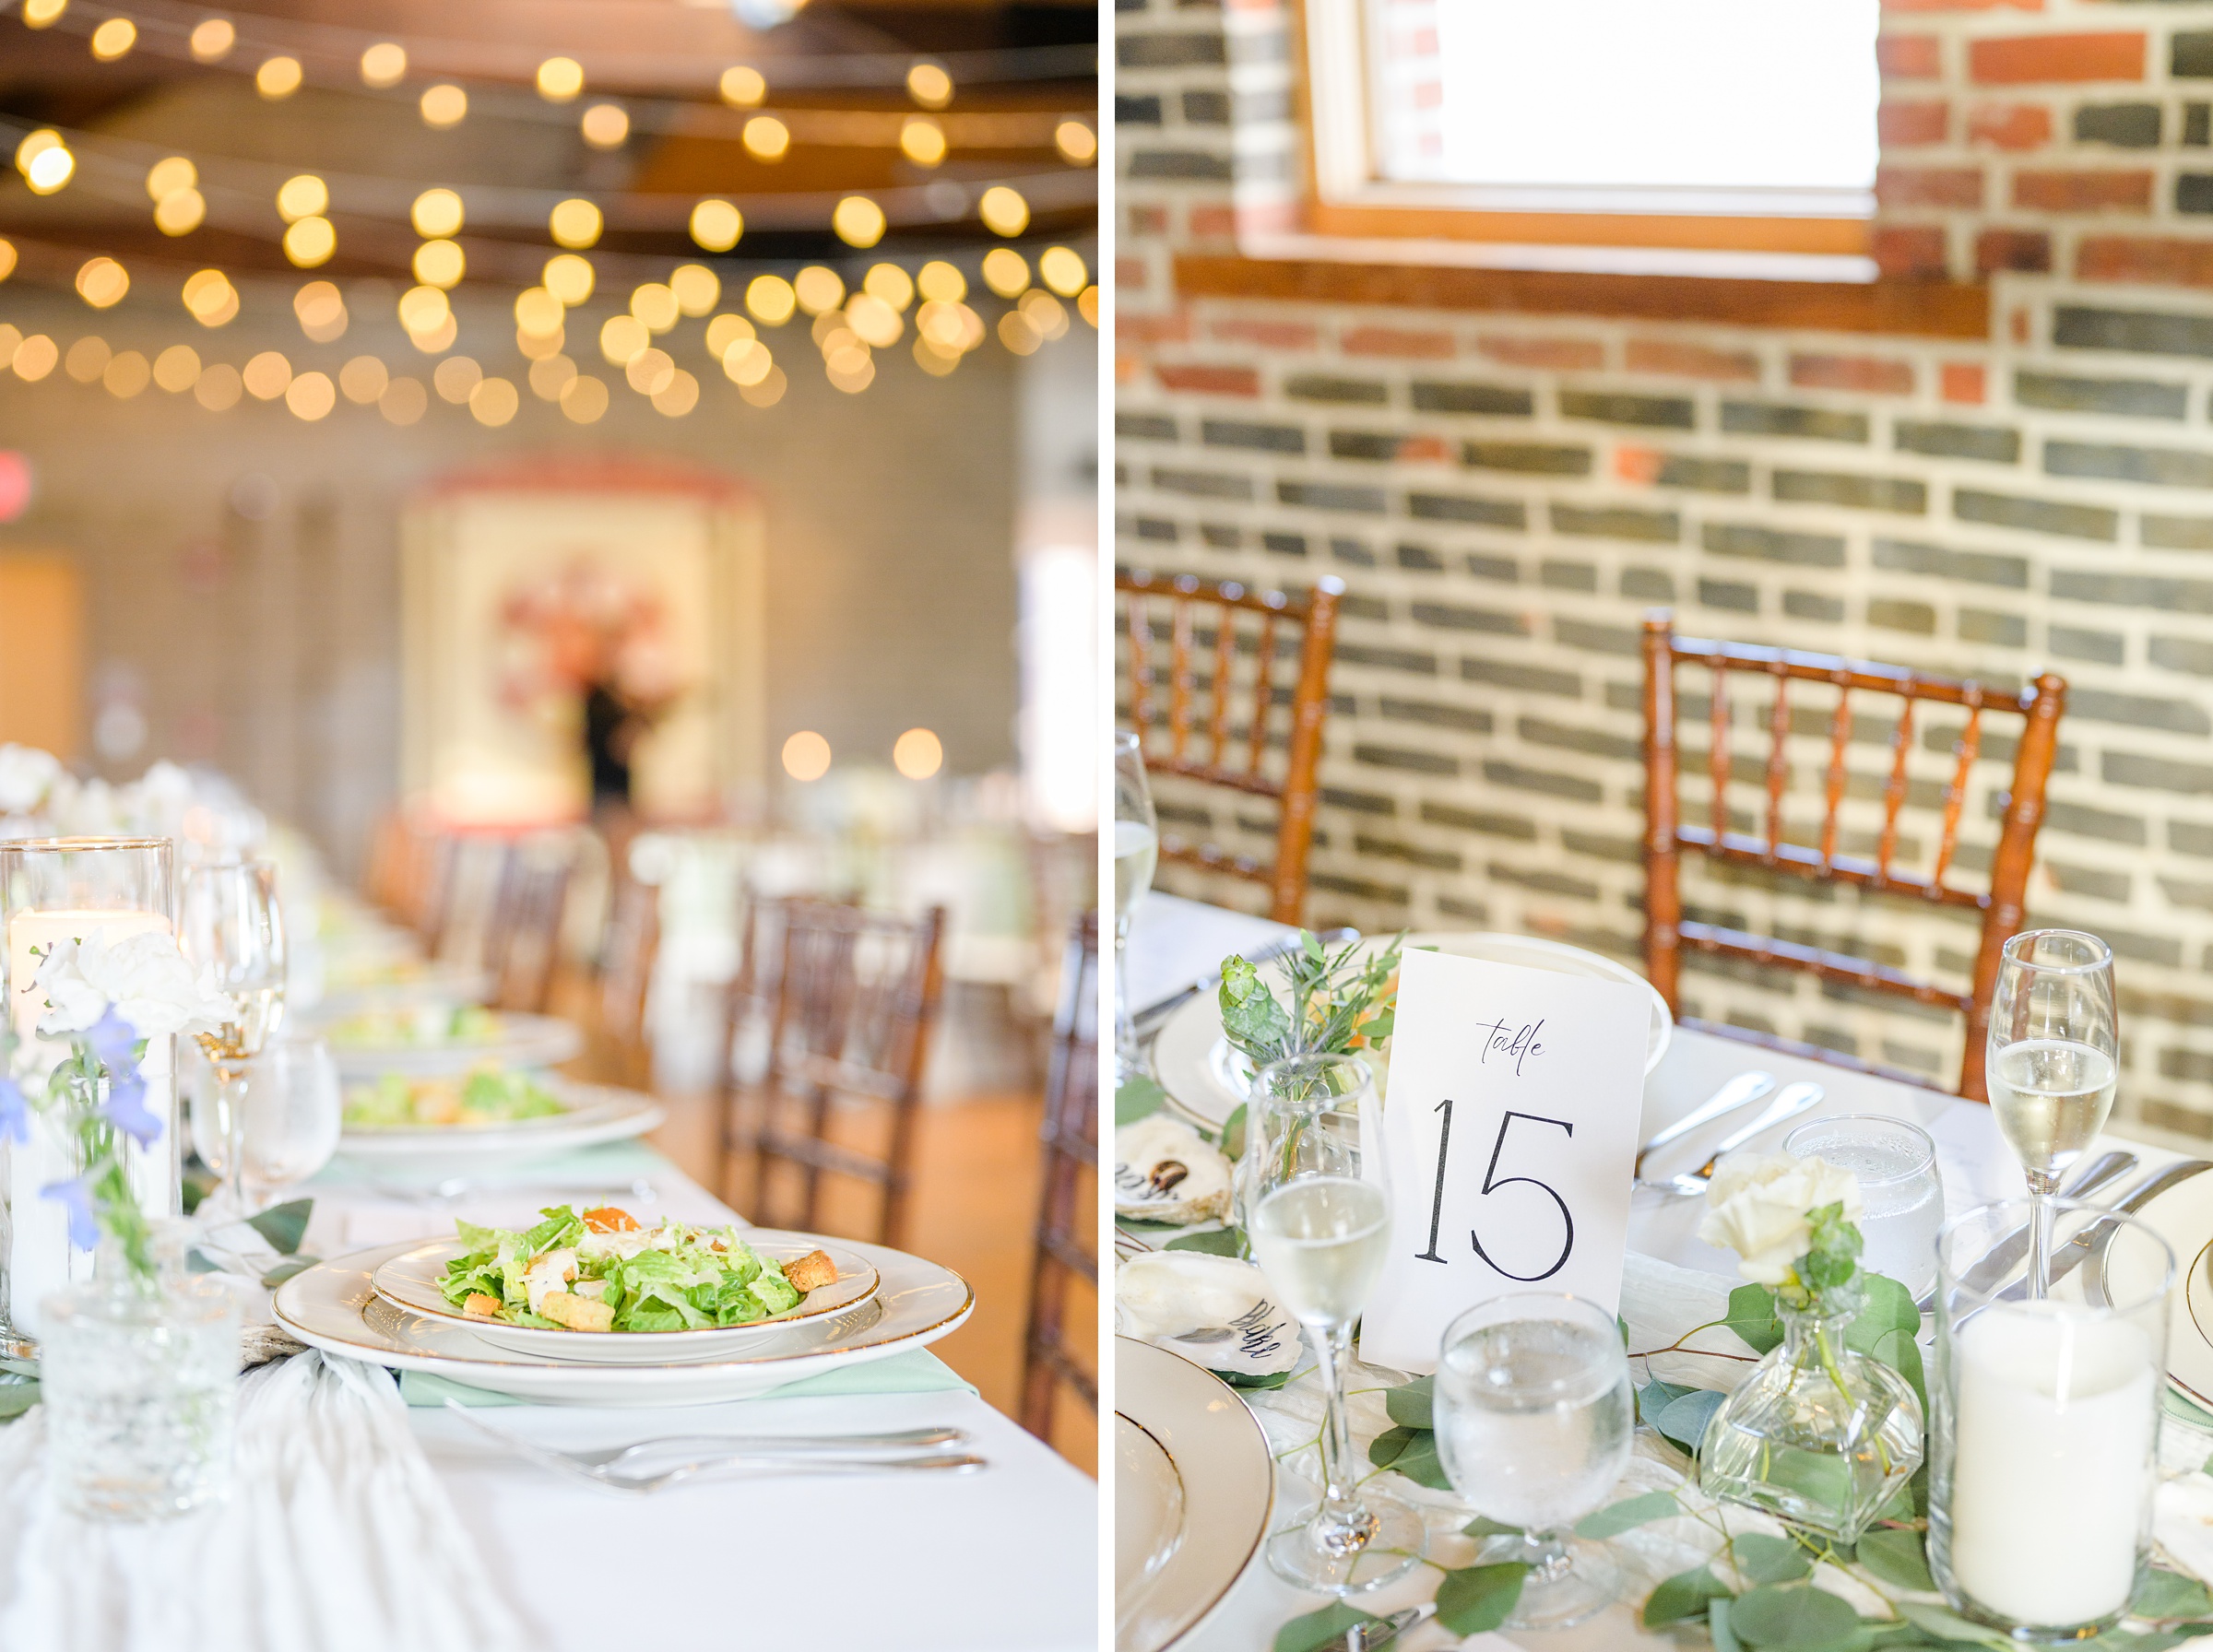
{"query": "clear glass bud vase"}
{"type": "Point", "coordinates": [1818, 1435]}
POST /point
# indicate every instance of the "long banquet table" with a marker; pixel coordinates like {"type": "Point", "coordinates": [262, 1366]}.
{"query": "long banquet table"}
{"type": "Point", "coordinates": [1002, 1559]}
{"type": "Point", "coordinates": [1174, 941]}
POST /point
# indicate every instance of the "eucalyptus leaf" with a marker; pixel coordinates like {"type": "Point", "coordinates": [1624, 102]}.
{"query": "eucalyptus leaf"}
{"type": "Point", "coordinates": [1233, 1133]}
{"type": "Point", "coordinates": [286, 1269]}
{"type": "Point", "coordinates": [1255, 1379]}
{"type": "Point", "coordinates": [1476, 1598]}
{"type": "Point", "coordinates": [1752, 1317]}
{"type": "Point", "coordinates": [1684, 1419]}
{"type": "Point", "coordinates": [1318, 1629]}
{"type": "Point", "coordinates": [2164, 1594]}
{"type": "Point", "coordinates": [1411, 1452]}
{"type": "Point", "coordinates": [1683, 1595]}
{"type": "Point", "coordinates": [1764, 1559]}
{"type": "Point", "coordinates": [1896, 1557]}
{"type": "Point", "coordinates": [1940, 1623]}
{"type": "Point", "coordinates": [1718, 1627]}
{"type": "Point", "coordinates": [1410, 1403]}
{"type": "Point", "coordinates": [1482, 1526]}
{"type": "Point", "coordinates": [1790, 1616]}
{"type": "Point", "coordinates": [283, 1225]}
{"type": "Point", "coordinates": [1137, 1098]}
{"type": "Point", "coordinates": [1628, 1514]}
{"type": "Point", "coordinates": [1214, 1242]}
{"type": "Point", "coordinates": [196, 1261]}
{"type": "Point", "coordinates": [1653, 1399]}
{"type": "Point", "coordinates": [18, 1397]}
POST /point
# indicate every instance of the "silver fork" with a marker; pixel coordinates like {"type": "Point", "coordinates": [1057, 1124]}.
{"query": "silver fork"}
{"type": "Point", "coordinates": [1789, 1103]}
{"type": "Point", "coordinates": [764, 1455]}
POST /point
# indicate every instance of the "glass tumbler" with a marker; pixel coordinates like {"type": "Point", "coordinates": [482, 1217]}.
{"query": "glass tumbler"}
{"type": "Point", "coordinates": [1896, 1163]}
{"type": "Point", "coordinates": [2043, 1452]}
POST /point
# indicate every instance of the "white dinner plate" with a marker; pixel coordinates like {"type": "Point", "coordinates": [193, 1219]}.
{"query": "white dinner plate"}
{"type": "Point", "coordinates": [523, 1041]}
{"type": "Point", "coordinates": [1216, 1457]}
{"type": "Point", "coordinates": [1206, 1078]}
{"type": "Point", "coordinates": [2183, 1217]}
{"type": "Point", "coordinates": [410, 1280]}
{"type": "Point", "coordinates": [334, 1306]}
{"type": "Point", "coordinates": [407, 987]}
{"type": "Point", "coordinates": [593, 1113]}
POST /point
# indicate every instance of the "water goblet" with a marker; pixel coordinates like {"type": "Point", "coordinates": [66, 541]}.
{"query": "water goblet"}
{"type": "Point", "coordinates": [232, 931]}
{"type": "Point", "coordinates": [1136, 851]}
{"type": "Point", "coordinates": [1320, 1228]}
{"type": "Point", "coordinates": [1534, 1416]}
{"type": "Point", "coordinates": [291, 1110]}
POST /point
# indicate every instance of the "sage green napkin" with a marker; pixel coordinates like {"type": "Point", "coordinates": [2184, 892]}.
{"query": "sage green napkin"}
{"type": "Point", "coordinates": [921, 1372]}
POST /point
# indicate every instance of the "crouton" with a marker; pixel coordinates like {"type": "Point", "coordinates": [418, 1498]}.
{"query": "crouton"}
{"type": "Point", "coordinates": [608, 1219]}
{"type": "Point", "coordinates": [578, 1313]}
{"type": "Point", "coordinates": [813, 1269]}
{"type": "Point", "coordinates": [480, 1306]}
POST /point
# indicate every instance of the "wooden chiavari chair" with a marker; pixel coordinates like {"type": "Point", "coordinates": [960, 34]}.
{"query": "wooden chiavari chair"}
{"type": "Point", "coordinates": [522, 936]}
{"type": "Point", "coordinates": [1072, 1160]}
{"type": "Point", "coordinates": [2039, 706]}
{"type": "Point", "coordinates": [856, 995]}
{"type": "Point", "coordinates": [1237, 729]}
{"type": "Point", "coordinates": [627, 953]}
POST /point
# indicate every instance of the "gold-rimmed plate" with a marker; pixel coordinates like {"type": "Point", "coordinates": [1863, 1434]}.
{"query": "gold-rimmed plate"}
{"type": "Point", "coordinates": [2183, 1217]}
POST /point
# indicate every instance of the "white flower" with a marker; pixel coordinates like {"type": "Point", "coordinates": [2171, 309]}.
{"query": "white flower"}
{"type": "Point", "coordinates": [142, 974]}
{"type": "Point", "coordinates": [27, 775]}
{"type": "Point", "coordinates": [1759, 1208]}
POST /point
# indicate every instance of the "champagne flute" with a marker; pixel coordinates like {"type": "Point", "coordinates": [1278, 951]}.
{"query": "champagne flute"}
{"type": "Point", "coordinates": [229, 928]}
{"type": "Point", "coordinates": [1136, 848]}
{"type": "Point", "coordinates": [2052, 1065]}
{"type": "Point", "coordinates": [1320, 1231]}
{"type": "Point", "coordinates": [1535, 1420]}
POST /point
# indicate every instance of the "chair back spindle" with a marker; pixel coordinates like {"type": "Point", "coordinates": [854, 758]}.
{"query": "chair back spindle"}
{"type": "Point", "coordinates": [1071, 1158]}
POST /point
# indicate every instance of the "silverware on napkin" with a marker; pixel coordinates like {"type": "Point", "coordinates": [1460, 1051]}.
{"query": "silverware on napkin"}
{"type": "Point", "coordinates": [1143, 1020]}
{"type": "Point", "coordinates": [1740, 1091]}
{"type": "Point", "coordinates": [2094, 1238]}
{"type": "Point", "coordinates": [1788, 1104]}
{"type": "Point", "coordinates": [1368, 1638]}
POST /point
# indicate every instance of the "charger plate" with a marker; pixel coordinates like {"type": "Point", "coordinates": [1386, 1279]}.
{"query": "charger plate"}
{"type": "Point", "coordinates": [1200, 1459]}
{"type": "Point", "coordinates": [522, 1041]}
{"type": "Point", "coordinates": [410, 1280]}
{"type": "Point", "coordinates": [2183, 1217]}
{"type": "Point", "coordinates": [334, 1306]}
{"type": "Point", "coordinates": [1206, 1080]}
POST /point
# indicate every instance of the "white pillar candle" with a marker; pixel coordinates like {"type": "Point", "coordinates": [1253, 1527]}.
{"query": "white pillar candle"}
{"type": "Point", "coordinates": [2056, 1411]}
{"type": "Point", "coordinates": [39, 1259]}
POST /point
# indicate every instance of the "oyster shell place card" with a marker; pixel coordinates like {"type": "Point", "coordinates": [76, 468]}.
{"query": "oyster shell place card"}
{"type": "Point", "coordinates": [1214, 1311]}
{"type": "Point", "coordinates": [1165, 1171]}
{"type": "Point", "coordinates": [1511, 1129]}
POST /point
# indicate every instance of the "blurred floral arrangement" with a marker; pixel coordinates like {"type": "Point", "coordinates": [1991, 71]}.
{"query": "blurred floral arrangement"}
{"type": "Point", "coordinates": [583, 628]}
{"type": "Point", "coordinates": [39, 798]}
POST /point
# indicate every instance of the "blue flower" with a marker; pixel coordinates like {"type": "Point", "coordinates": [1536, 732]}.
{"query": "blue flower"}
{"type": "Point", "coordinates": [125, 1109]}
{"type": "Point", "coordinates": [115, 1041]}
{"type": "Point", "coordinates": [15, 1111]}
{"type": "Point", "coordinates": [77, 1195]}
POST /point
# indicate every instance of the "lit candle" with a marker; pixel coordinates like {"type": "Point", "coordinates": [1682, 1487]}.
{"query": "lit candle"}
{"type": "Point", "coordinates": [2054, 1463]}
{"type": "Point", "coordinates": [40, 1260]}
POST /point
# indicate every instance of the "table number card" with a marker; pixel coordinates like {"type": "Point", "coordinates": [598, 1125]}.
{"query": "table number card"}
{"type": "Point", "coordinates": [1511, 1129]}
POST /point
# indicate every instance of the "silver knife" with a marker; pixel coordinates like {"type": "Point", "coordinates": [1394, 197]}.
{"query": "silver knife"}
{"type": "Point", "coordinates": [2078, 1250]}
{"type": "Point", "coordinates": [1741, 1090]}
{"type": "Point", "coordinates": [1161, 1007]}
{"type": "Point", "coordinates": [1789, 1104]}
{"type": "Point", "coordinates": [1366, 1638]}
{"type": "Point", "coordinates": [2007, 1254]}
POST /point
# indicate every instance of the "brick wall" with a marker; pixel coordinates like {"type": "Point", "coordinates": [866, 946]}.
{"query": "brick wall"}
{"type": "Point", "coordinates": [1505, 495]}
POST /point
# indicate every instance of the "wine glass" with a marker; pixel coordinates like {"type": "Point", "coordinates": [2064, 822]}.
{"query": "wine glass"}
{"type": "Point", "coordinates": [230, 930]}
{"type": "Point", "coordinates": [1136, 848]}
{"type": "Point", "coordinates": [1320, 1215]}
{"type": "Point", "coordinates": [292, 1111]}
{"type": "Point", "coordinates": [2052, 1063]}
{"type": "Point", "coordinates": [1535, 1418]}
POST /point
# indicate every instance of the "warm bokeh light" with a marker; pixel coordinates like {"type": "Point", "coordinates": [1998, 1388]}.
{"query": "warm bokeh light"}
{"type": "Point", "coordinates": [560, 79]}
{"type": "Point", "coordinates": [537, 311]}
{"type": "Point", "coordinates": [922, 140]}
{"type": "Point", "coordinates": [101, 282]}
{"type": "Point", "coordinates": [768, 392]}
{"type": "Point", "coordinates": [404, 401]}
{"type": "Point", "coordinates": [267, 376]}
{"type": "Point", "coordinates": [893, 284]}
{"type": "Point", "coordinates": [726, 330]}
{"type": "Point", "coordinates": [1006, 272]}
{"type": "Point", "coordinates": [306, 195]}
{"type": "Point", "coordinates": [743, 88]}
{"type": "Point", "coordinates": [322, 311]}
{"type": "Point", "coordinates": [851, 370]}
{"type": "Point", "coordinates": [443, 105]}
{"type": "Point", "coordinates": [1062, 270]}
{"type": "Point", "coordinates": [87, 359]}
{"type": "Point", "coordinates": [771, 300]}
{"type": "Point", "coordinates": [311, 396]}
{"type": "Point", "coordinates": [650, 371]}
{"type": "Point", "coordinates": [384, 65]}
{"type": "Point", "coordinates": [362, 380]}
{"type": "Point", "coordinates": [858, 221]}
{"type": "Point", "coordinates": [1004, 211]}
{"type": "Point", "coordinates": [311, 242]}
{"type": "Point", "coordinates": [621, 337]}
{"type": "Point", "coordinates": [806, 755]}
{"type": "Point", "coordinates": [655, 305]}
{"type": "Point", "coordinates": [678, 397]}
{"type": "Point", "coordinates": [575, 223]}
{"type": "Point", "coordinates": [35, 357]}
{"type": "Point", "coordinates": [1078, 144]}
{"type": "Point", "coordinates": [717, 225]}
{"type": "Point", "coordinates": [493, 402]}
{"type": "Point", "coordinates": [875, 322]}
{"type": "Point", "coordinates": [166, 177]}
{"type": "Point", "coordinates": [605, 126]}
{"type": "Point", "coordinates": [180, 212]}
{"type": "Point", "coordinates": [818, 289]}
{"type": "Point", "coordinates": [456, 377]}
{"type": "Point", "coordinates": [39, 14]}
{"type": "Point", "coordinates": [1017, 334]}
{"type": "Point", "coordinates": [440, 264]}
{"type": "Point", "coordinates": [277, 77]}
{"type": "Point", "coordinates": [1044, 312]}
{"type": "Point", "coordinates": [210, 297]}
{"type": "Point", "coordinates": [45, 160]}
{"type": "Point", "coordinates": [177, 369]}
{"type": "Point", "coordinates": [1087, 304]}
{"type": "Point", "coordinates": [568, 278]}
{"type": "Point", "coordinates": [536, 346]}
{"type": "Point", "coordinates": [747, 362]}
{"type": "Point", "coordinates": [8, 258]}
{"type": "Point", "coordinates": [951, 327]}
{"type": "Point", "coordinates": [550, 376]}
{"type": "Point", "coordinates": [113, 38]}
{"type": "Point", "coordinates": [917, 754]}
{"type": "Point", "coordinates": [697, 289]}
{"type": "Point", "coordinates": [941, 282]}
{"type": "Point", "coordinates": [126, 375]}
{"type": "Point", "coordinates": [584, 399]}
{"type": "Point", "coordinates": [212, 39]}
{"type": "Point", "coordinates": [436, 212]}
{"type": "Point", "coordinates": [424, 310]}
{"type": "Point", "coordinates": [929, 86]}
{"type": "Point", "coordinates": [766, 137]}
{"type": "Point", "coordinates": [219, 387]}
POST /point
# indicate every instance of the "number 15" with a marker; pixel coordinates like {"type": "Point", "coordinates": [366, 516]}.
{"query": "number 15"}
{"type": "Point", "coordinates": [1492, 1180]}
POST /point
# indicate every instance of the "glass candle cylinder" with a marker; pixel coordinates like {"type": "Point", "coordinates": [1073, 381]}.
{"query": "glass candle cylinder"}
{"type": "Point", "coordinates": [68, 888]}
{"type": "Point", "coordinates": [2043, 1452]}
